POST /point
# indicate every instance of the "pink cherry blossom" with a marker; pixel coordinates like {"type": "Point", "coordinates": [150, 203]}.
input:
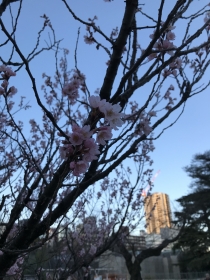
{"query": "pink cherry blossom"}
{"type": "Point", "coordinates": [176, 64]}
{"type": "Point", "coordinates": [90, 150]}
{"type": "Point", "coordinates": [96, 102]}
{"type": "Point", "coordinates": [76, 138]}
{"type": "Point", "coordinates": [3, 68]}
{"type": "Point", "coordinates": [2, 91]}
{"type": "Point", "coordinates": [80, 134]}
{"type": "Point", "coordinates": [116, 122]}
{"type": "Point", "coordinates": [170, 35]}
{"type": "Point", "coordinates": [79, 167]}
{"type": "Point", "coordinates": [167, 94]}
{"type": "Point", "coordinates": [167, 44]}
{"type": "Point", "coordinates": [7, 71]}
{"type": "Point", "coordinates": [85, 131]}
{"type": "Point", "coordinates": [166, 72]}
{"type": "Point", "coordinates": [152, 35]}
{"type": "Point", "coordinates": [97, 91]}
{"type": "Point", "coordinates": [174, 72]}
{"type": "Point", "coordinates": [66, 151]}
{"type": "Point", "coordinates": [207, 17]}
{"type": "Point", "coordinates": [71, 88]}
{"type": "Point", "coordinates": [89, 40]}
{"type": "Point", "coordinates": [153, 114]}
{"type": "Point", "coordinates": [158, 45]}
{"type": "Point", "coordinates": [103, 135]}
{"type": "Point", "coordinates": [152, 56]}
{"type": "Point", "coordinates": [146, 128]}
{"type": "Point", "coordinates": [164, 45]}
{"type": "Point", "coordinates": [13, 90]}
{"type": "Point", "coordinates": [111, 114]}
{"type": "Point", "coordinates": [4, 84]}
{"type": "Point", "coordinates": [171, 87]}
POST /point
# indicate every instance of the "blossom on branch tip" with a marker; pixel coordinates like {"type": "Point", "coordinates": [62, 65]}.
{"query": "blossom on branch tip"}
{"type": "Point", "coordinates": [177, 63]}
{"type": "Point", "coordinates": [152, 35]}
{"type": "Point", "coordinates": [89, 40]}
{"type": "Point", "coordinates": [4, 84]}
{"type": "Point", "coordinates": [71, 88]}
{"type": "Point", "coordinates": [7, 71]}
{"type": "Point", "coordinates": [13, 90]}
{"type": "Point", "coordinates": [153, 114]}
{"type": "Point", "coordinates": [2, 91]}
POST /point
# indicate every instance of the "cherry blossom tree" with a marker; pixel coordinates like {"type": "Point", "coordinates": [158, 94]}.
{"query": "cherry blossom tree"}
{"type": "Point", "coordinates": [89, 151]}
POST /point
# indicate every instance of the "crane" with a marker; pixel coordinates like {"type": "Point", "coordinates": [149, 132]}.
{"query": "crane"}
{"type": "Point", "coordinates": [145, 190]}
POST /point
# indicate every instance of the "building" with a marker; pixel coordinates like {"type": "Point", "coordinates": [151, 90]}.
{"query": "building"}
{"type": "Point", "coordinates": [135, 243]}
{"type": "Point", "coordinates": [157, 212]}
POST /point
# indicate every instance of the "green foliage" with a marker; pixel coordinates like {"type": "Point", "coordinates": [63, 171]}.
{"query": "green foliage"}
{"type": "Point", "coordinates": [194, 242]}
{"type": "Point", "coordinates": [47, 258]}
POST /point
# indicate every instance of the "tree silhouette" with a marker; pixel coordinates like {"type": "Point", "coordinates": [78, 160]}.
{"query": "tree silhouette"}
{"type": "Point", "coordinates": [194, 240]}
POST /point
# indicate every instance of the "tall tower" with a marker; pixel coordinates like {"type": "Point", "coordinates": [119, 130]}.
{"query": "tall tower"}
{"type": "Point", "coordinates": [158, 212]}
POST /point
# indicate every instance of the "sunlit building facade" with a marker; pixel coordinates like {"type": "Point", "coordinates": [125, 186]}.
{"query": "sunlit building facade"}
{"type": "Point", "coordinates": [157, 212]}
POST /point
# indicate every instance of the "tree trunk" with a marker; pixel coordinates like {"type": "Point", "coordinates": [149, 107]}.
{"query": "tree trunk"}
{"type": "Point", "coordinates": [134, 270]}
{"type": "Point", "coordinates": [136, 273]}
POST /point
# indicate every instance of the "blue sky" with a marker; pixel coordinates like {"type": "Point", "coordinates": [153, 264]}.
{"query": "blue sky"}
{"type": "Point", "coordinates": [175, 148]}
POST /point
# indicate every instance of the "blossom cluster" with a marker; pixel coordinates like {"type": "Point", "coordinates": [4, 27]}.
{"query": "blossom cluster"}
{"type": "Point", "coordinates": [206, 19]}
{"type": "Point", "coordinates": [81, 146]}
{"type": "Point", "coordinates": [167, 96]}
{"type": "Point", "coordinates": [143, 119]}
{"type": "Point", "coordinates": [164, 43]}
{"type": "Point", "coordinates": [111, 113]}
{"type": "Point", "coordinates": [16, 269]}
{"type": "Point", "coordinates": [172, 69]}
{"type": "Point", "coordinates": [71, 89]}
{"type": "Point", "coordinates": [6, 73]}
{"type": "Point", "coordinates": [88, 38]}
{"type": "Point", "coordinates": [144, 124]}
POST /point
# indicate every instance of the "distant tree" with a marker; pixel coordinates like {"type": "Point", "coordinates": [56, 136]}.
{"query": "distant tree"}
{"type": "Point", "coordinates": [134, 258]}
{"type": "Point", "coordinates": [194, 241]}
{"type": "Point", "coordinates": [80, 151]}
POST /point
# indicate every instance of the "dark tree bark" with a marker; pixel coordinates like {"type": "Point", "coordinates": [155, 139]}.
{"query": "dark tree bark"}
{"type": "Point", "coordinates": [4, 5]}
{"type": "Point", "coordinates": [133, 261]}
